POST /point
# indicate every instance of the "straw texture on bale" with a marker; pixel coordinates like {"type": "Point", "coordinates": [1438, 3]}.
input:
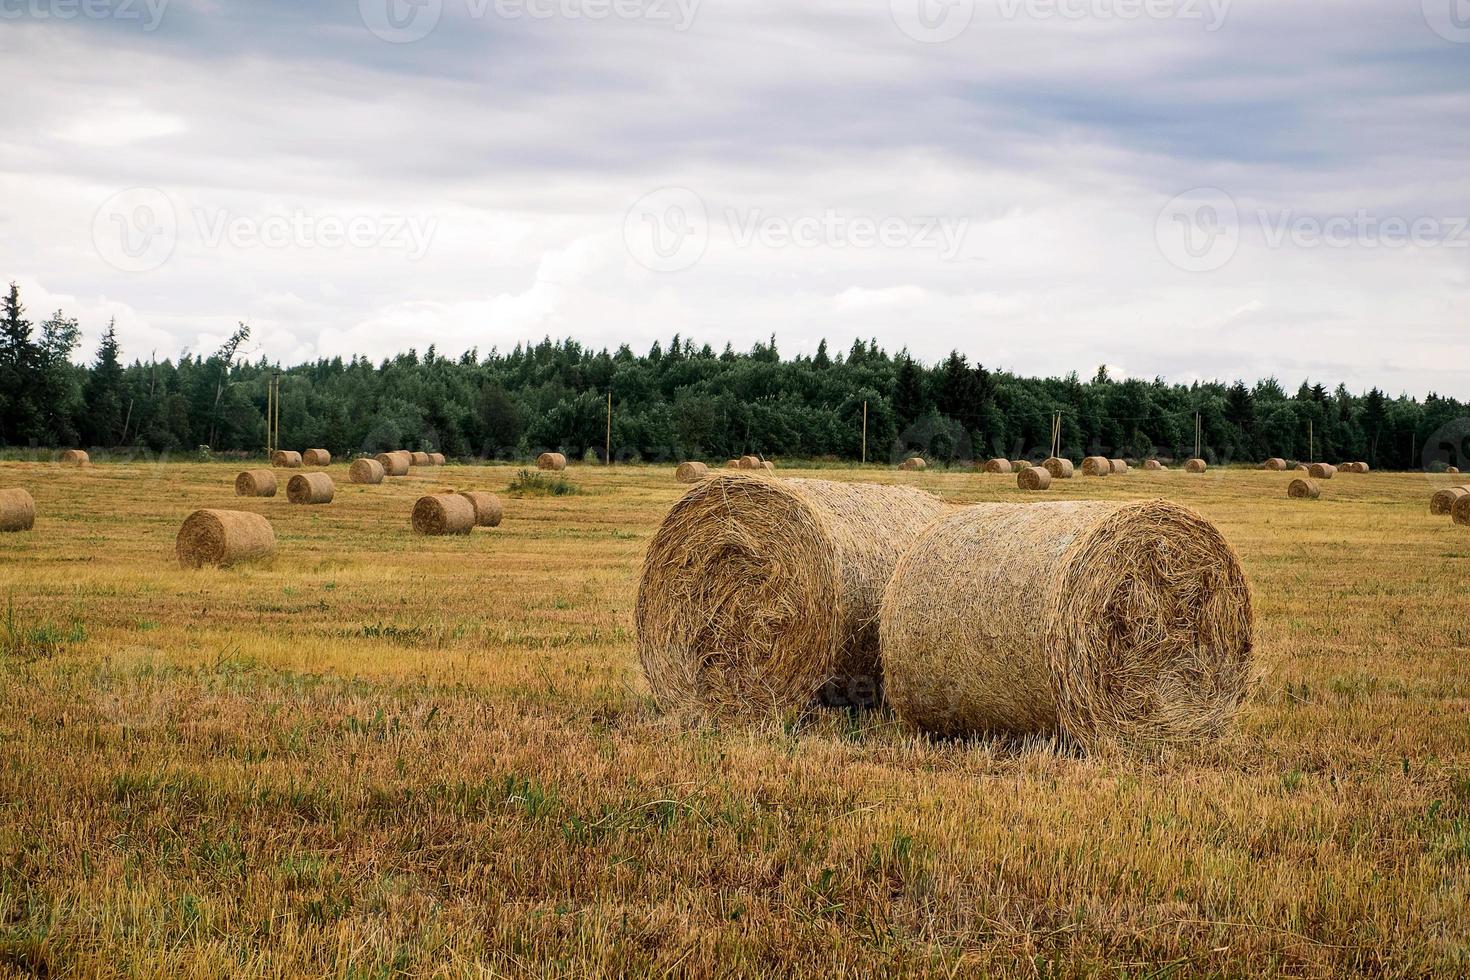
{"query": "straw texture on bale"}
{"type": "Point", "coordinates": [1096, 466]}
{"type": "Point", "coordinates": [17, 510]}
{"type": "Point", "coordinates": [1033, 478]}
{"type": "Point", "coordinates": [1196, 465]}
{"type": "Point", "coordinates": [437, 459]}
{"type": "Point", "coordinates": [224, 537]}
{"type": "Point", "coordinates": [1141, 612]}
{"type": "Point", "coordinates": [1322, 471]}
{"type": "Point", "coordinates": [394, 464]}
{"type": "Point", "coordinates": [310, 488]}
{"type": "Point", "coordinates": [76, 457]}
{"type": "Point", "coordinates": [368, 471]}
{"type": "Point", "coordinates": [444, 513]}
{"type": "Point", "coordinates": [760, 594]}
{"type": "Point", "coordinates": [997, 466]}
{"type": "Point", "coordinates": [1460, 512]}
{"type": "Point", "coordinates": [1302, 489]}
{"type": "Point", "coordinates": [419, 459]}
{"type": "Point", "coordinates": [1275, 464]}
{"type": "Point", "coordinates": [1118, 465]}
{"type": "Point", "coordinates": [551, 461]}
{"type": "Point", "coordinates": [488, 511]}
{"type": "Point", "coordinates": [286, 458]}
{"type": "Point", "coordinates": [255, 483]}
{"type": "Point", "coordinates": [316, 457]}
{"type": "Point", "coordinates": [1152, 465]}
{"type": "Point", "coordinates": [913, 463]}
{"type": "Point", "coordinates": [691, 472]}
{"type": "Point", "coordinates": [1060, 469]}
{"type": "Point", "coordinates": [1442, 503]}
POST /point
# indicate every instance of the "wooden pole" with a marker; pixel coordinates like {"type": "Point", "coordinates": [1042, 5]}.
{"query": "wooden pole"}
{"type": "Point", "coordinates": [865, 433]}
{"type": "Point", "coordinates": [607, 447]}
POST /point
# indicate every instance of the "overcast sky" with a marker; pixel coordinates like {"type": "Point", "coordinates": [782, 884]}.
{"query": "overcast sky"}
{"type": "Point", "coordinates": [1191, 188]}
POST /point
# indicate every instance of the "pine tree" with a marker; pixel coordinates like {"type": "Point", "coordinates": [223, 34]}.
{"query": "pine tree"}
{"type": "Point", "coordinates": [105, 395]}
{"type": "Point", "coordinates": [19, 371]}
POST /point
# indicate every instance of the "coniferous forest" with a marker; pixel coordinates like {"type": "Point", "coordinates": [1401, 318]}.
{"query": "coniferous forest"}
{"type": "Point", "coordinates": [680, 400]}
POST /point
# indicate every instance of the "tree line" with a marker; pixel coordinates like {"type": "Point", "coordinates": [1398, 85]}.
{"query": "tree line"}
{"type": "Point", "coordinates": [679, 401]}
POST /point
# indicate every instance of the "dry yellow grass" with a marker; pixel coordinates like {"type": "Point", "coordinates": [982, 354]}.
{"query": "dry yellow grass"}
{"type": "Point", "coordinates": [383, 754]}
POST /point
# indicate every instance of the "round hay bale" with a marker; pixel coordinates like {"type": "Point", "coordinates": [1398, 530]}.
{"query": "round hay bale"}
{"type": "Point", "coordinates": [287, 459]}
{"type": "Point", "coordinates": [76, 457]}
{"type": "Point", "coordinates": [759, 594]}
{"type": "Point", "coordinates": [913, 463]}
{"type": "Point", "coordinates": [1361, 467]}
{"type": "Point", "coordinates": [768, 466]}
{"type": "Point", "coordinates": [551, 461]}
{"type": "Point", "coordinates": [437, 459]}
{"type": "Point", "coordinates": [1060, 469]}
{"type": "Point", "coordinates": [420, 459]}
{"type": "Point", "coordinates": [750, 462]}
{"type": "Point", "coordinates": [1322, 471]}
{"type": "Point", "coordinates": [488, 511]}
{"type": "Point", "coordinates": [1301, 468]}
{"type": "Point", "coordinates": [224, 537]}
{"type": "Point", "coordinates": [1442, 504]}
{"type": "Point", "coordinates": [255, 483]}
{"type": "Point", "coordinates": [1460, 512]}
{"type": "Point", "coordinates": [1196, 465]}
{"type": "Point", "coordinates": [1301, 489]}
{"type": "Point", "coordinates": [1096, 466]}
{"type": "Point", "coordinates": [1151, 644]}
{"type": "Point", "coordinates": [691, 472]}
{"type": "Point", "coordinates": [1118, 465]}
{"type": "Point", "coordinates": [1452, 469]}
{"type": "Point", "coordinates": [1033, 478]}
{"type": "Point", "coordinates": [997, 466]}
{"type": "Point", "coordinates": [444, 513]}
{"type": "Point", "coordinates": [1275, 464]}
{"type": "Point", "coordinates": [316, 457]}
{"type": "Point", "coordinates": [733, 464]}
{"type": "Point", "coordinates": [310, 488]}
{"type": "Point", "coordinates": [1153, 466]}
{"type": "Point", "coordinates": [368, 471]}
{"type": "Point", "coordinates": [394, 463]}
{"type": "Point", "coordinates": [17, 510]}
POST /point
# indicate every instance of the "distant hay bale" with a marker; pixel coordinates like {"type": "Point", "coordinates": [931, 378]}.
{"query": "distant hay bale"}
{"type": "Point", "coordinates": [691, 472]}
{"type": "Point", "coordinates": [1060, 469]}
{"type": "Point", "coordinates": [1442, 504]}
{"type": "Point", "coordinates": [368, 471]}
{"type": "Point", "coordinates": [1275, 464]}
{"type": "Point", "coordinates": [1196, 465]}
{"type": "Point", "coordinates": [1460, 512]}
{"type": "Point", "coordinates": [437, 459]}
{"type": "Point", "coordinates": [420, 459]}
{"type": "Point", "coordinates": [997, 465]}
{"type": "Point", "coordinates": [1153, 465]}
{"type": "Point", "coordinates": [1118, 465]}
{"type": "Point", "coordinates": [488, 510]}
{"type": "Point", "coordinates": [1033, 478]}
{"type": "Point", "coordinates": [1452, 469]}
{"type": "Point", "coordinates": [223, 537]}
{"type": "Point", "coordinates": [768, 466]}
{"type": "Point", "coordinates": [1322, 471]}
{"type": "Point", "coordinates": [255, 483]}
{"type": "Point", "coordinates": [759, 594]}
{"type": "Point", "coordinates": [1301, 489]}
{"type": "Point", "coordinates": [310, 488]}
{"type": "Point", "coordinates": [733, 464]}
{"type": "Point", "coordinates": [1096, 466]}
{"type": "Point", "coordinates": [1141, 616]}
{"type": "Point", "coordinates": [750, 462]}
{"type": "Point", "coordinates": [1301, 468]}
{"type": "Point", "coordinates": [17, 510]}
{"type": "Point", "coordinates": [1361, 467]}
{"type": "Point", "coordinates": [394, 463]}
{"type": "Point", "coordinates": [444, 513]}
{"type": "Point", "coordinates": [287, 459]}
{"type": "Point", "coordinates": [913, 463]}
{"type": "Point", "coordinates": [551, 461]}
{"type": "Point", "coordinates": [76, 457]}
{"type": "Point", "coordinates": [316, 457]}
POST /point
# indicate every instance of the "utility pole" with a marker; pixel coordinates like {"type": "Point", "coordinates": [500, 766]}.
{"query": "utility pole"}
{"type": "Point", "coordinates": [607, 446]}
{"type": "Point", "coordinates": [865, 433]}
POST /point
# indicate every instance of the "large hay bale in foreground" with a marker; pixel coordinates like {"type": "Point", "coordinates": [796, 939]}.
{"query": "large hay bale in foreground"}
{"type": "Point", "coordinates": [1060, 469]}
{"type": "Point", "coordinates": [1196, 465]}
{"type": "Point", "coordinates": [310, 488]}
{"type": "Point", "coordinates": [997, 465]}
{"type": "Point", "coordinates": [488, 510]}
{"type": "Point", "coordinates": [76, 457]}
{"type": "Point", "coordinates": [551, 461]}
{"type": "Point", "coordinates": [1275, 464]}
{"type": "Point", "coordinates": [1141, 612]}
{"type": "Point", "coordinates": [255, 483]}
{"type": "Point", "coordinates": [1153, 466]}
{"type": "Point", "coordinates": [1096, 466]}
{"type": "Point", "coordinates": [1460, 512]}
{"type": "Point", "coordinates": [443, 513]}
{"type": "Point", "coordinates": [394, 463]}
{"type": "Point", "coordinates": [913, 463]}
{"type": "Point", "coordinates": [287, 459]}
{"type": "Point", "coordinates": [223, 537]}
{"type": "Point", "coordinates": [17, 510]}
{"type": "Point", "coordinates": [1442, 504]}
{"type": "Point", "coordinates": [1300, 489]}
{"type": "Point", "coordinates": [691, 472]}
{"type": "Point", "coordinates": [316, 457]}
{"type": "Point", "coordinates": [368, 471]}
{"type": "Point", "coordinates": [1322, 471]}
{"type": "Point", "coordinates": [1033, 478]}
{"type": "Point", "coordinates": [759, 594]}
{"type": "Point", "coordinates": [1118, 465]}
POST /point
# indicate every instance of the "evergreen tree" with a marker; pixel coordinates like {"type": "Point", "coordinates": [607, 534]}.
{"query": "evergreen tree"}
{"type": "Point", "coordinates": [105, 394]}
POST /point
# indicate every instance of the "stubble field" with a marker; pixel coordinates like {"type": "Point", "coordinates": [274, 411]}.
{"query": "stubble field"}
{"type": "Point", "coordinates": [379, 754]}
